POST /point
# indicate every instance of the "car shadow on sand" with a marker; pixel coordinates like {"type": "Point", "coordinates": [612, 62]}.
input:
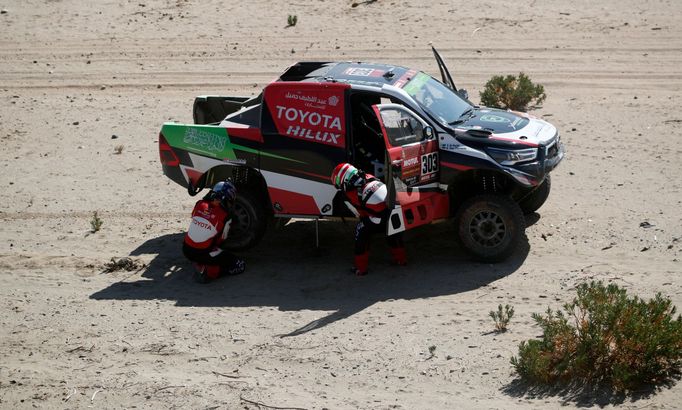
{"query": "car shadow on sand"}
{"type": "Point", "coordinates": [287, 271]}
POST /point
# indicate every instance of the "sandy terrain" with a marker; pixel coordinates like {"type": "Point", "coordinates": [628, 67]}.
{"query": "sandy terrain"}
{"type": "Point", "coordinates": [296, 331]}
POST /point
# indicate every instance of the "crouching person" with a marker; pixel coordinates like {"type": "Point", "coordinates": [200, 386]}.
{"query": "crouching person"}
{"type": "Point", "coordinates": [208, 229]}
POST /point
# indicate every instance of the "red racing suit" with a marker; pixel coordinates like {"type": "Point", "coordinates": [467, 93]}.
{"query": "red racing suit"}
{"type": "Point", "coordinates": [208, 229]}
{"type": "Point", "coordinates": [369, 202]}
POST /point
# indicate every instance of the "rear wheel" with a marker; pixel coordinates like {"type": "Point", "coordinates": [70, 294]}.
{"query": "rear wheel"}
{"type": "Point", "coordinates": [249, 222]}
{"type": "Point", "coordinates": [537, 197]}
{"type": "Point", "coordinates": [489, 227]}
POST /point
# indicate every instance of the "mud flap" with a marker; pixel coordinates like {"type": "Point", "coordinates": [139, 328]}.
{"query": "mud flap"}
{"type": "Point", "coordinates": [396, 221]}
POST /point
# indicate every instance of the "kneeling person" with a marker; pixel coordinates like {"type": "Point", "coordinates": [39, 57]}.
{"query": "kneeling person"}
{"type": "Point", "coordinates": [211, 219]}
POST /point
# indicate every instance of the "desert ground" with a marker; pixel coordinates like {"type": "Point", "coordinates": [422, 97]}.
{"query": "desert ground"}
{"type": "Point", "coordinates": [84, 89]}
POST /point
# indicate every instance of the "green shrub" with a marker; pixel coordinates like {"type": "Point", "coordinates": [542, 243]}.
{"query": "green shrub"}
{"type": "Point", "coordinates": [292, 20]}
{"type": "Point", "coordinates": [95, 222]}
{"type": "Point", "coordinates": [502, 317]}
{"type": "Point", "coordinates": [606, 338]}
{"type": "Point", "coordinates": [512, 92]}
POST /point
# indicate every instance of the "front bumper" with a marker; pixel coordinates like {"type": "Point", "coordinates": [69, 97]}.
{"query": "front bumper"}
{"type": "Point", "coordinates": [533, 173]}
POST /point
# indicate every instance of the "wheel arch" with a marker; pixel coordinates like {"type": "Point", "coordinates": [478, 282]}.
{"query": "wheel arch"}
{"type": "Point", "coordinates": [245, 179]}
{"type": "Point", "coordinates": [466, 184]}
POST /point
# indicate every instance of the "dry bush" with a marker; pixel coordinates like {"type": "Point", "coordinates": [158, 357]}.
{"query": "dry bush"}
{"type": "Point", "coordinates": [604, 337]}
{"type": "Point", "coordinates": [512, 93]}
{"type": "Point", "coordinates": [126, 264]}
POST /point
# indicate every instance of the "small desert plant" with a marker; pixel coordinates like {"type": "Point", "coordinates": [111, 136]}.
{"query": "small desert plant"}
{"type": "Point", "coordinates": [118, 149]}
{"type": "Point", "coordinates": [604, 338]}
{"type": "Point", "coordinates": [502, 317]}
{"type": "Point", "coordinates": [95, 222]}
{"type": "Point", "coordinates": [292, 20]}
{"type": "Point", "coordinates": [512, 92]}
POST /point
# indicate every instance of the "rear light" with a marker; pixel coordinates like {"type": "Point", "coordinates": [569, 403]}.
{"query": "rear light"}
{"type": "Point", "coordinates": [166, 153]}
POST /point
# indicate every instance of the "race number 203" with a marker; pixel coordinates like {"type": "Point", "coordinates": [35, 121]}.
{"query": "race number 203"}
{"type": "Point", "coordinates": [429, 163]}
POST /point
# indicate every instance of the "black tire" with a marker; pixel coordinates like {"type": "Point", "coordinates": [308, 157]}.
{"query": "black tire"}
{"type": "Point", "coordinates": [537, 197]}
{"type": "Point", "coordinates": [490, 227]}
{"type": "Point", "coordinates": [249, 222]}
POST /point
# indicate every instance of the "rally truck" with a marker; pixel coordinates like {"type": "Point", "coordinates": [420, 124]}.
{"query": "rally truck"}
{"type": "Point", "coordinates": [441, 156]}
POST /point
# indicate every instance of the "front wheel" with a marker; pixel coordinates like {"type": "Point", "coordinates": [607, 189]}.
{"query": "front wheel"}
{"type": "Point", "coordinates": [490, 227]}
{"type": "Point", "coordinates": [249, 222]}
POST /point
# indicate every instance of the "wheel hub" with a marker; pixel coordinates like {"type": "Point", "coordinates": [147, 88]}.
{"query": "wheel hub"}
{"type": "Point", "coordinates": [487, 228]}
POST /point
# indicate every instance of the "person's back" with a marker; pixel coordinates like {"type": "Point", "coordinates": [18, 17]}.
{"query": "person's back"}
{"type": "Point", "coordinates": [367, 197]}
{"type": "Point", "coordinates": [370, 198]}
{"type": "Point", "coordinates": [208, 230]}
{"type": "Point", "coordinates": [207, 221]}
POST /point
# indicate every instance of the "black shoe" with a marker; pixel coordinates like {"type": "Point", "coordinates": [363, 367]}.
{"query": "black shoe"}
{"type": "Point", "coordinates": [200, 277]}
{"type": "Point", "coordinates": [357, 272]}
{"type": "Point", "coordinates": [239, 267]}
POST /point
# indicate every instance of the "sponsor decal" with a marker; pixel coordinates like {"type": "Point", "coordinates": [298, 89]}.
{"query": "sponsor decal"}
{"type": "Point", "coordinates": [494, 118]}
{"type": "Point", "coordinates": [420, 163]}
{"type": "Point", "coordinates": [210, 141]}
{"type": "Point", "coordinates": [499, 121]}
{"type": "Point", "coordinates": [416, 84]}
{"type": "Point", "coordinates": [308, 118]}
{"type": "Point", "coordinates": [205, 140]}
{"type": "Point", "coordinates": [363, 72]}
{"type": "Point", "coordinates": [201, 230]}
{"type": "Point", "coordinates": [201, 224]}
{"type": "Point", "coordinates": [405, 78]}
{"type": "Point", "coordinates": [237, 161]}
{"type": "Point", "coordinates": [311, 112]}
{"type": "Point", "coordinates": [306, 125]}
{"type": "Point", "coordinates": [410, 164]}
{"type": "Point", "coordinates": [429, 164]}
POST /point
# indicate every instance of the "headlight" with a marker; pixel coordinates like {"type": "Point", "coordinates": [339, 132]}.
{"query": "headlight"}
{"type": "Point", "coordinates": [511, 157]}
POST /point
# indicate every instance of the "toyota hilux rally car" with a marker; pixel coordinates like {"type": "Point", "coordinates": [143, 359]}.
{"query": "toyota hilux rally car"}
{"type": "Point", "coordinates": [440, 155]}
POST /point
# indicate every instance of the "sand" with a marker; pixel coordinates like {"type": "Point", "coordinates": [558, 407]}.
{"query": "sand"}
{"type": "Point", "coordinates": [80, 82]}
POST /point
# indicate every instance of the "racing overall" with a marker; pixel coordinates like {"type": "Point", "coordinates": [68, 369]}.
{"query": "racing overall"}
{"type": "Point", "coordinates": [369, 200]}
{"type": "Point", "coordinates": [208, 229]}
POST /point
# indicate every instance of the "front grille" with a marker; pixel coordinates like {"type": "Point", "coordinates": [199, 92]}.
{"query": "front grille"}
{"type": "Point", "coordinates": [552, 149]}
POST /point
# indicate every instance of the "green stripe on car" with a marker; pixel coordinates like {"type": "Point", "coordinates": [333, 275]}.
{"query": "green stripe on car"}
{"type": "Point", "coordinates": [208, 140]}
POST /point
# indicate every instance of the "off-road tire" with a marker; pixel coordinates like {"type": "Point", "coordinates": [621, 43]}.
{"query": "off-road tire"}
{"type": "Point", "coordinates": [535, 199]}
{"type": "Point", "coordinates": [249, 222]}
{"type": "Point", "coordinates": [489, 227]}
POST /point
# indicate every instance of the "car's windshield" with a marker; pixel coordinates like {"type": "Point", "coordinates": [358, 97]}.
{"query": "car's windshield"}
{"type": "Point", "coordinates": [437, 99]}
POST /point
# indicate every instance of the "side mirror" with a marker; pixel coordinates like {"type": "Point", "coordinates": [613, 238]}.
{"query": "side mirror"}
{"type": "Point", "coordinates": [463, 93]}
{"type": "Point", "coordinates": [428, 132]}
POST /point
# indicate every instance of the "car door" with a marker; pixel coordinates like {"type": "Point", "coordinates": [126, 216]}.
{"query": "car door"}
{"type": "Point", "coordinates": [412, 166]}
{"type": "Point", "coordinates": [444, 73]}
{"type": "Point", "coordinates": [446, 77]}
